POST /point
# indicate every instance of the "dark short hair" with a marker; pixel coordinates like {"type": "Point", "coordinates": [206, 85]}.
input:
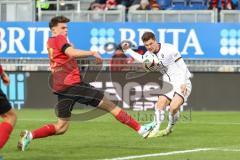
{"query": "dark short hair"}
{"type": "Point", "coordinates": [58, 19]}
{"type": "Point", "coordinates": [148, 35]}
{"type": "Point", "coordinates": [119, 47]}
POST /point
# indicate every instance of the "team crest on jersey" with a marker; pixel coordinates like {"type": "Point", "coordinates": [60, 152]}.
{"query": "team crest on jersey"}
{"type": "Point", "coordinates": [162, 55]}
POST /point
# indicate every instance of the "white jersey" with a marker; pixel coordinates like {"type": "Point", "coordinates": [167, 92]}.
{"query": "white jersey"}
{"type": "Point", "coordinates": [172, 65]}
{"type": "Point", "coordinates": [173, 68]}
{"type": "Point", "coordinates": [169, 56]}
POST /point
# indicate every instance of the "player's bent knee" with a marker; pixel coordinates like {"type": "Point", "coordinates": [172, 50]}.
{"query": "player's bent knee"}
{"type": "Point", "coordinates": [61, 128]}
{"type": "Point", "coordinates": [11, 117]}
{"type": "Point", "coordinates": [106, 104]}
{"type": "Point", "coordinates": [162, 102]}
{"type": "Point", "coordinates": [14, 119]}
{"type": "Point", "coordinates": [61, 131]}
{"type": "Point", "coordinates": [174, 108]}
{"type": "Point", "coordinates": [176, 103]}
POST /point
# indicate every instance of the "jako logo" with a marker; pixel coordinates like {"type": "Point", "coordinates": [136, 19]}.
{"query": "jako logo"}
{"type": "Point", "coordinates": [15, 91]}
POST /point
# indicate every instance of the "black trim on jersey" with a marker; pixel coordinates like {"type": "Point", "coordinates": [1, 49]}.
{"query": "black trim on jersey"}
{"type": "Point", "coordinates": [166, 97]}
{"type": "Point", "coordinates": [166, 72]}
{"type": "Point", "coordinates": [158, 49]}
{"type": "Point", "coordinates": [64, 47]}
{"type": "Point", "coordinates": [178, 59]}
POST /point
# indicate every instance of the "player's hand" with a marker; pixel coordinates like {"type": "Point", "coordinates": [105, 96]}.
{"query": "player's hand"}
{"type": "Point", "coordinates": [125, 45]}
{"type": "Point", "coordinates": [5, 78]}
{"type": "Point", "coordinates": [184, 89]}
{"type": "Point", "coordinates": [99, 59]}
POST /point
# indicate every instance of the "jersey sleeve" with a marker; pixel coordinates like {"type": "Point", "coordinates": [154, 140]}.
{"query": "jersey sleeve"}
{"type": "Point", "coordinates": [1, 70]}
{"type": "Point", "coordinates": [172, 52]}
{"type": "Point", "coordinates": [175, 54]}
{"type": "Point", "coordinates": [180, 63]}
{"type": "Point", "coordinates": [62, 43]}
{"type": "Point", "coordinates": [136, 56]}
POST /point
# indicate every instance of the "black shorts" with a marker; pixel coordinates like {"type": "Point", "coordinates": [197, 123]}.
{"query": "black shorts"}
{"type": "Point", "coordinates": [82, 93]}
{"type": "Point", "coordinates": [5, 106]}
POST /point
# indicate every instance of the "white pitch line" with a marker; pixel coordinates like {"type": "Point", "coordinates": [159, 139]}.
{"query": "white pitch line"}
{"type": "Point", "coordinates": [173, 153]}
{"type": "Point", "coordinates": [227, 150]}
{"type": "Point", "coordinates": [213, 123]}
{"type": "Point", "coordinates": [161, 154]}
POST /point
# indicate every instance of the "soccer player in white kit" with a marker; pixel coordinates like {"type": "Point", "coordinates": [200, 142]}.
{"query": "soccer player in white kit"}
{"type": "Point", "coordinates": [174, 71]}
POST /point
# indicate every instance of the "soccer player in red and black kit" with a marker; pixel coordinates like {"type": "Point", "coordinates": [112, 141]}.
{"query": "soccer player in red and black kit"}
{"type": "Point", "coordinates": [6, 112]}
{"type": "Point", "coordinates": [68, 86]}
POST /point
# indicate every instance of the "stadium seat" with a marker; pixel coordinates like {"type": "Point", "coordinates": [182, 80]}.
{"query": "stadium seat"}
{"type": "Point", "coordinates": [179, 5]}
{"type": "Point", "coordinates": [236, 4]}
{"type": "Point", "coordinates": [164, 4]}
{"type": "Point", "coordinates": [198, 4]}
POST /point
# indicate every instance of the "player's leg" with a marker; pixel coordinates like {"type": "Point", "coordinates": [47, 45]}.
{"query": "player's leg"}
{"type": "Point", "coordinates": [91, 96]}
{"type": "Point", "coordinates": [174, 114]}
{"type": "Point", "coordinates": [9, 119]}
{"type": "Point", "coordinates": [7, 125]}
{"type": "Point", "coordinates": [87, 94]}
{"type": "Point", "coordinates": [175, 105]}
{"type": "Point", "coordinates": [47, 130]}
{"type": "Point", "coordinates": [124, 117]}
{"type": "Point", "coordinates": [63, 111]}
{"type": "Point", "coordinates": [162, 102]}
{"type": "Point", "coordinates": [178, 99]}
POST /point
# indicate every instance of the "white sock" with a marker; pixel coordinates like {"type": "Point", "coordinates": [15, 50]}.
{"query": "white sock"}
{"type": "Point", "coordinates": [30, 135]}
{"type": "Point", "coordinates": [170, 121]}
{"type": "Point", "coordinates": [176, 117]}
{"type": "Point", "coordinates": [141, 130]}
{"type": "Point", "coordinates": [159, 117]}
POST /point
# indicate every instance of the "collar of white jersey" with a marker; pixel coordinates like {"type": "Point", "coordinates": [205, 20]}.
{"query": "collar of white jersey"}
{"type": "Point", "coordinates": [158, 49]}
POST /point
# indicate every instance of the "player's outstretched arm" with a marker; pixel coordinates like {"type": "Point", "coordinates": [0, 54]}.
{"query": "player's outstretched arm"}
{"type": "Point", "coordinates": [126, 48]}
{"type": "Point", "coordinates": [72, 52]}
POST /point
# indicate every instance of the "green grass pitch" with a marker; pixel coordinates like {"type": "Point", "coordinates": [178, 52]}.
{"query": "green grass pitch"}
{"type": "Point", "coordinates": [106, 138]}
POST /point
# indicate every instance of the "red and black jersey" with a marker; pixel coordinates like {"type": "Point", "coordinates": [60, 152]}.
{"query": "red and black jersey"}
{"type": "Point", "coordinates": [65, 71]}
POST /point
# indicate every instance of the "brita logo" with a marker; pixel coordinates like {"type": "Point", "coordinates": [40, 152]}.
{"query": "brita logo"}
{"type": "Point", "coordinates": [15, 91]}
{"type": "Point", "coordinates": [230, 42]}
{"type": "Point", "coordinates": [101, 36]}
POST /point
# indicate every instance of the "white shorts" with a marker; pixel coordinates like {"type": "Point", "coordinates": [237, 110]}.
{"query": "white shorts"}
{"type": "Point", "coordinates": [177, 90]}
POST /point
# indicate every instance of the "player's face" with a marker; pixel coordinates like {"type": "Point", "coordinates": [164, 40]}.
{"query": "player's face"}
{"type": "Point", "coordinates": [151, 45]}
{"type": "Point", "coordinates": [60, 29]}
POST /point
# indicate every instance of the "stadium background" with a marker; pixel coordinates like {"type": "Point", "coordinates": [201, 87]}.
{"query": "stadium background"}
{"type": "Point", "coordinates": [209, 41]}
